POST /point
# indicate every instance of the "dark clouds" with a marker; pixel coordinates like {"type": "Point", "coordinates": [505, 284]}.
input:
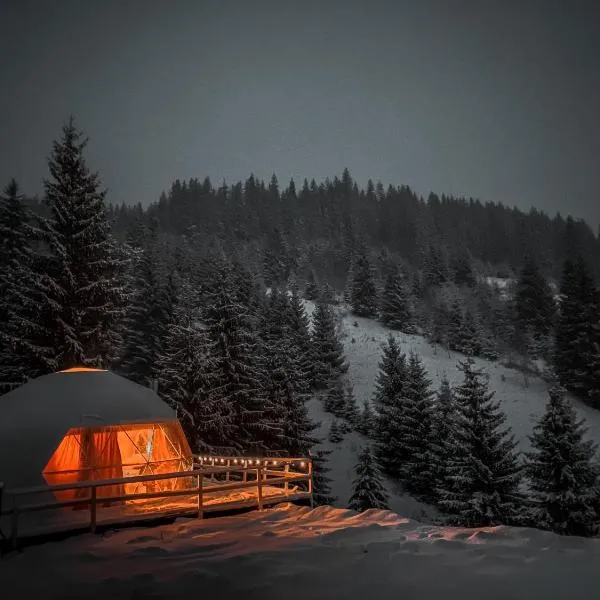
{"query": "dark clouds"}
{"type": "Point", "coordinates": [497, 100]}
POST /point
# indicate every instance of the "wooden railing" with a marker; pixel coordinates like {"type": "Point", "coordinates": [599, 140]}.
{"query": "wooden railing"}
{"type": "Point", "coordinates": [210, 474]}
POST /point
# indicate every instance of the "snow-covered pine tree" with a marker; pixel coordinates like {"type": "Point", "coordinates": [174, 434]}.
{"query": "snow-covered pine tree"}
{"type": "Point", "coordinates": [441, 429]}
{"type": "Point", "coordinates": [535, 308]}
{"type": "Point", "coordinates": [363, 295]}
{"type": "Point", "coordinates": [78, 286]}
{"type": "Point", "coordinates": [416, 471]}
{"type": "Point", "coordinates": [237, 369]}
{"type": "Point", "coordinates": [299, 327]}
{"type": "Point", "coordinates": [561, 471]}
{"type": "Point", "coordinates": [328, 352]}
{"type": "Point", "coordinates": [483, 473]}
{"type": "Point", "coordinates": [145, 324]}
{"type": "Point", "coordinates": [367, 422]}
{"type": "Point", "coordinates": [574, 343]}
{"type": "Point", "coordinates": [351, 414]}
{"type": "Point", "coordinates": [368, 490]}
{"type": "Point", "coordinates": [17, 304]}
{"type": "Point", "coordinates": [322, 495]}
{"type": "Point", "coordinates": [183, 371]}
{"type": "Point", "coordinates": [285, 385]}
{"type": "Point", "coordinates": [334, 398]}
{"type": "Point", "coordinates": [389, 405]}
{"type": "Point", "coordinates": [395, 310]}
{"type": "Point", "coordinates": [311, 291]}
{"type": "Point", "coordinates": [335, 435]}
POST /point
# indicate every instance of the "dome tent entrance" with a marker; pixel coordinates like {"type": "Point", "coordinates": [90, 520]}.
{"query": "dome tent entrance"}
{"type": "Point", "coordinates": [88, 424]}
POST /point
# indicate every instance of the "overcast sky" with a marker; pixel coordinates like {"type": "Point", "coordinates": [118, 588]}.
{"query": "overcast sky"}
{"type": "Point", "coordinates": [496, 100]}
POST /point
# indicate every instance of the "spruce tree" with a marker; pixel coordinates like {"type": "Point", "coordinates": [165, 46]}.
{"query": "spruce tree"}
{"type": "Point", "coordinates": [415, 430]}
{"type": "Point", "coordinates": [237, 374]}
{"type": "Point", "coordinates": [535, 309]}
{"type": "Point", "coordinates": [144, 324]}
{"type": "Point", "coordinates": [483, 474]}
{"type": "Point", "coordinates": [335, 435]}
{"type": "Point", "coordinates": [575, 332]}
{"type": "Point", "coordinates": [368, 491]}
{"type": "Point", "coordinates": [285, 385]}
{"type": "Point", "coordinates": [441, 430]}
{"type": "Point", "coordinates": [351, 415]}
{"type": "Point", "coordinates": [78, 288]}
{"type": "Point", "coordinates": [311, 291]}
{"type": "Point", "coordinates": [389, 403]}
{"type": "Point", "coordinates": [328, 352]}
{"type": "Point", "coordinates": [299, 328]}
{"type": "Point", "coordinates": [334, 399]}
{"type": "Point", "coordinates": [367, 420]}
{"type": "Point", "coordinates": [322, 495]}
{"type": "Point", "coordinates": [184, 373]}
{"type": "Point", "coordinates": [561, 471]}
{"type": "Point", "coordinates": [363, 296]}
{"type": "Point", "coordinates": [395, 310]}
{"type": "Point", "coordinates": [17, 304]}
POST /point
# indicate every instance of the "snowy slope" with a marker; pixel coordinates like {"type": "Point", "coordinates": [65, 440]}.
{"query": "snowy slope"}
{"type": "Point", "coordinates": [295, 553]}
{"type": "Point", "coordinates": [522, 405]}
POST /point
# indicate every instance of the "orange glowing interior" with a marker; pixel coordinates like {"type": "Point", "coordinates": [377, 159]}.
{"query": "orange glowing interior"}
{"type": "Point", "coordinates": [117, 451]}
{"type": "Point", "coordinates": [81, 370]}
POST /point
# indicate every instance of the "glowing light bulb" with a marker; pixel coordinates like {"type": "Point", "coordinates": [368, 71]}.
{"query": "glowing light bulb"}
{"type": "Point", "coordinates": [302, 464]}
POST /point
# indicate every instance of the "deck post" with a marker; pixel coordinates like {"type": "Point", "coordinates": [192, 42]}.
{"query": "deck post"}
{"type": "Point", "coordinates": [228, 467]}
{"type": "Point", "coordinates": [93, 508]}
{"type": "Point", "coordinates": [259, 486]}
{"type": "Point", "coordinates": [200, 495]}
{"type": "Point", "coordinates": [287, 472]}
{"type": "Point", "coordinates": [310, 482]}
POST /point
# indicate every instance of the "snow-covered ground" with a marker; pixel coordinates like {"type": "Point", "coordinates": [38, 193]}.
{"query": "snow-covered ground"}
{"type": "Point", "coordinates": [297, 553]}
{"type": "Point", "coordinates": [292, 552]}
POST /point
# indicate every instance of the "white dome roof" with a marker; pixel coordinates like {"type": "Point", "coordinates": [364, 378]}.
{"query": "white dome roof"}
{"type": "Point", "coordinates": [35, 417]}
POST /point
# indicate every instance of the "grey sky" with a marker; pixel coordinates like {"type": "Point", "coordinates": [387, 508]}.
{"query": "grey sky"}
{"type": "Point", "coordinates": [496, 100]}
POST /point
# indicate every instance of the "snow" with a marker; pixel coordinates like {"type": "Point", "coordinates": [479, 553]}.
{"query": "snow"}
{"type": "Point", "coordinates": [331, 552]}
{"type": "Point", "coordinates": [298, 553]}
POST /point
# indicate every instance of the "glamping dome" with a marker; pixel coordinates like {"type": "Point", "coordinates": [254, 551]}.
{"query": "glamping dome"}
{"type": "Point", "coordinates": [88, 424]}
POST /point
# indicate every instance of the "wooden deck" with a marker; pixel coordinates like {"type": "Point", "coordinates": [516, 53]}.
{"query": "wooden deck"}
{"type": "Point", "coordinates": [216, 484]}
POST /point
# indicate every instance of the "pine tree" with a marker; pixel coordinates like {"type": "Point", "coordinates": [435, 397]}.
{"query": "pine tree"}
{"type": "Point", "coordinates": [144, 325]}
{"type": "Point", "coordinates": [562, 475]}
{"type": "Point", "coordinates": [367, 423]}
{"type": "Point", "coordinates": [575, 332]}
{"type": "Point", "coordinates": [311, 291]}
{"type": "Point", "coordinates": [334, 400]}
{"type": "Point", "coordinates": [351, 415]}
{"type": "Point", "coordinates": [299, 328]}
{"type": "Point", "coordinates": [17, 304]}
{"type": "Point", "coordinates": [483, 474]}
{"type": "Point", "coordinates": [535, 309]}
{"type": "Point", "coordinates": [363, 297]}
{"type": "Point", "coordinates": [80, 298]}
{"type": "Point", "coordinates": [237, 369]}
{"type": "Point", "coordinates": [441, 430]}
{"type": "Point", "coordinates": [285, 385]}
{"type": "Point", "coordinates": [184, 371]}
{"type": "Point", "coordinates": [335, 435]}
{"type": "Point", "coordinates": [415, 430]}
{"type": "Point", "coordinates": [321, 482]}
{"type": "Point", "coordinates": [389, 403]}
{"type": "Point", "coordinates": [328, 352]}
{"type": "Point", "coordinates": [395, 310]}
{"type": "Point", "coordinates": [368, 491]}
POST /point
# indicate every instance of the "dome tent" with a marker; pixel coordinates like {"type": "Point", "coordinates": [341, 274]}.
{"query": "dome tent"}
{"type": "Point", "coordinates": [87, 424]}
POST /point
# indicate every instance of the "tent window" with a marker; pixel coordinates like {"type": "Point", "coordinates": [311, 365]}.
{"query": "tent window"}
{"type": "Point", "coordinates": [114, 452]}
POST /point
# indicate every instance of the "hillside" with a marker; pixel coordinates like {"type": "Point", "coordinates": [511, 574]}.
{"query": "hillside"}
{"type": "Point", "coordinates": [523, 404]}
